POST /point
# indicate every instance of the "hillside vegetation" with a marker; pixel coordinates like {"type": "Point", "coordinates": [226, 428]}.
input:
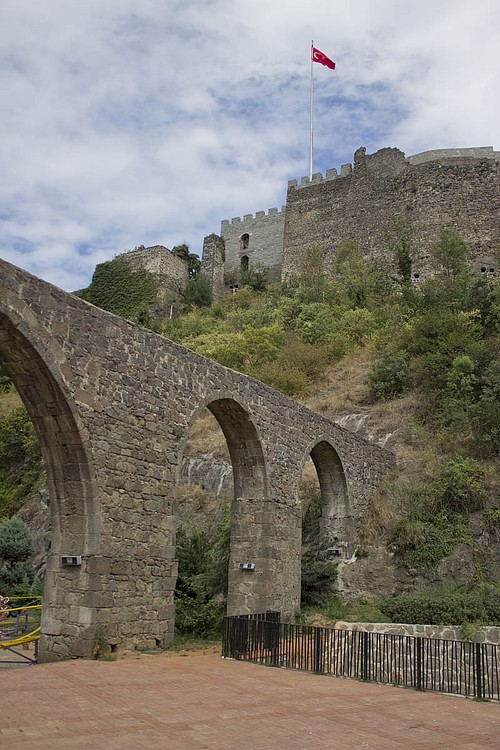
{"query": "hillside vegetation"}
{"type": "Point", "coordinates": [419, 359]}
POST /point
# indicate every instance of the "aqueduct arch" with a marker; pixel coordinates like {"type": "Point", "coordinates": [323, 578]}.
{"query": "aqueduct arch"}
{"type": "Point", "coordinates": [112, 404]}
{"type": "Point", "coordinates": [336, 519]}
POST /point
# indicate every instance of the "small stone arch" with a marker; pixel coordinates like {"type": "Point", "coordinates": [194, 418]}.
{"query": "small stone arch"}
{"type": "Point", "coordinates": [336, 520]}
{"type": "Point", "coordinates": [244, 262]}
{"type": "Point", "coordinates": [251, 520]}
{"type": "Point", "coordinates": [244, 241]}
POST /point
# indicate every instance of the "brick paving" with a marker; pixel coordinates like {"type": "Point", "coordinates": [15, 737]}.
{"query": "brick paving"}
{"type": "Point", "coordinates": [196, 700]}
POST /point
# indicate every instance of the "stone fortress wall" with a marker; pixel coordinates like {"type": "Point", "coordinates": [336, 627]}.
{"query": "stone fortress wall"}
{"type": "Point", "coordinates": [170, 271]}
{"type": "Point", "coordinates": [456, 189]}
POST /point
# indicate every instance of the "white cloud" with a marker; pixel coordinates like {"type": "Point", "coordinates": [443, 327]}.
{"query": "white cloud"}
{"type": "Point", "coordinates": [126, 123]}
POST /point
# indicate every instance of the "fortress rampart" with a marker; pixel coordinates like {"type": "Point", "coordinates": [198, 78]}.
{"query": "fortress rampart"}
{"type": "Point", "coordinates": [455, 189]}
{"type": "Point", "coordinates": [369, 201]}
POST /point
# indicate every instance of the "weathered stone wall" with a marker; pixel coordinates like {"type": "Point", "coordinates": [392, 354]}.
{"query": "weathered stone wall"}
{"type": "Point", "coordinates": [264, 245]}
{"type": "Point", "coordinates": [170, 270]}
{"type": "Point", "coordinates": [484, 634]}
{"type": "Point", "coordinates": [113, 405]}
{"type": "Point", "coordinates": [452, 189]}
{"type": "Point", "coordinates": [212, 265]}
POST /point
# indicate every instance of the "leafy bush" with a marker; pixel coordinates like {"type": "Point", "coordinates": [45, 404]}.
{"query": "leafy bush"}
{"type": "Point", "coordinates": [202, 579]}
{"type": "Point", "coordinates": [461, 486]}
{"type": "Point", "coordinates": [5, 381]}
{"type": "Point", "coordinates": [389, 376]}
{"type": "Point", "coordinates": [422, 543]}
{"type": "Point", "coordinates": [318, 569]}
{"type": "Point", "coordinates": [289, 380]}
{"type": "Point", "coordinates": [198, 291]}
{"type": "Point", "coordinates": [479, 605]}
{"type": "Point", "coordinates": [201, 619]}
{"type": "Point", "coordinates": [16, 575]}
{"type": "Point", "coordinates": [314, 323]}
{"type": "Point", "coordinates": [255, 276]}
{"type": "Point", "coordinates": [20, 460]}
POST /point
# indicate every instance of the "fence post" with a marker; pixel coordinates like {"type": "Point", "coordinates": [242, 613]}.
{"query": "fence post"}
{"type": "Point", "coordinates": [318, 650]}
{"type": "Point", "coordinates": [419, 665]}
{"type": "Point", "coordinates": [479, 692]}
{"type": "Point", "coordinates": [365, 652]}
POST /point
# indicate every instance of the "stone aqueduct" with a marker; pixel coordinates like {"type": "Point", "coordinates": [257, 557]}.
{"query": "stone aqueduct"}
{"type": "Point", "coordinates": [112, 404]}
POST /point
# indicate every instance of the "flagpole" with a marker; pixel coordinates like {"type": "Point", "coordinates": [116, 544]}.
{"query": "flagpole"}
{"type": "Point", "coordinates": [311, 118]}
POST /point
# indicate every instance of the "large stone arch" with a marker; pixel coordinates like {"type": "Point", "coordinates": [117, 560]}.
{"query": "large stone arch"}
{"type": "Point", "coordinates": [74, 502]}
{"type": "Point", "coordinates": [336, 515]}
{"type": "Point", "coordinates": [252, 527]}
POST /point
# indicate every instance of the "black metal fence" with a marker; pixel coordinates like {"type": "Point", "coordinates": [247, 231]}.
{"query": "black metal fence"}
{"type": "Point", "coordinates": [446, 666]}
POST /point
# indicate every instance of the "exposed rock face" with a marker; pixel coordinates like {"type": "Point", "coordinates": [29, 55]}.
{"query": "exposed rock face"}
{"type": "Point", "coordinates": [208, 472]}
{"type": "Point", "coordinates": [372, 577]}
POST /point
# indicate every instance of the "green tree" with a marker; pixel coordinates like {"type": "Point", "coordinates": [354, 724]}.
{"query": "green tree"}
{"type": "Point", "coordinates": [5, 381]}
{"type": "Point", "coordinates": [202, 578]}
{"type": "Point", "coordinates": [355, 273]}
{"type": "Point", "coordinates": [255, 276]}
{"type": "Point", "coordinates": [401, 245]}
{"type": "Point", "coordinates": [21, 469]}
{"type": "Point", "coordinates": [312, 284]}
{"type": "Point", "coordinates": [318, 570]}
{"type": "Point", "coordinates": [450, 254]}
{"type": "Point", "coordinates": [198, 291]}
{"type": "Point", "coordinates": [15, 541]}
{"type": "Point", "coordinates": [16, 575]}
{"type": "Point", "coordinates": [192, 260]}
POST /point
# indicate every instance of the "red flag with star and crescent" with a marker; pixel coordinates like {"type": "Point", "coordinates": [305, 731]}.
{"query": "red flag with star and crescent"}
{"type": "Point", "coordinates": [321, 58]}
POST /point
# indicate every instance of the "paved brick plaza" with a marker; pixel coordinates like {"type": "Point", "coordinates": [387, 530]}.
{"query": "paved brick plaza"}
{"type": "Point", "coordinates": [198, 700]}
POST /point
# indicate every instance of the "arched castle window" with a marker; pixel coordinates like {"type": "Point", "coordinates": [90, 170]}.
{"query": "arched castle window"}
{"type": "Point", "coordinates": [244, 241]}
{"type": "Point", "coordinates": [244, 263]}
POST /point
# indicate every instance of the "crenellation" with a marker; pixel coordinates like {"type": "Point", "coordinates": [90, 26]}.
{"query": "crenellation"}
{"type": "Point", "coordinates": [251, 218]}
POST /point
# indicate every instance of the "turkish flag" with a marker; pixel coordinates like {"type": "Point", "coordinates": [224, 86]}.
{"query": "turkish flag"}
{"type": "Point", "coordinates": [321, 58]}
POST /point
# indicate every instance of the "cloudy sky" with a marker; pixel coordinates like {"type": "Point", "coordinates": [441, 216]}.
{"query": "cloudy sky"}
{"type": "Point", "coordinates": [126, 123]}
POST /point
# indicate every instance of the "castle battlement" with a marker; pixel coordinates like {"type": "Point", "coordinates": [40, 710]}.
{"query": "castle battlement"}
{"type": "Point", "coordinates": [437, 155]}
{"type": "Point", "coordinates": [331, 174]}
{"type": "Point", "coordinates": [247, 218]}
